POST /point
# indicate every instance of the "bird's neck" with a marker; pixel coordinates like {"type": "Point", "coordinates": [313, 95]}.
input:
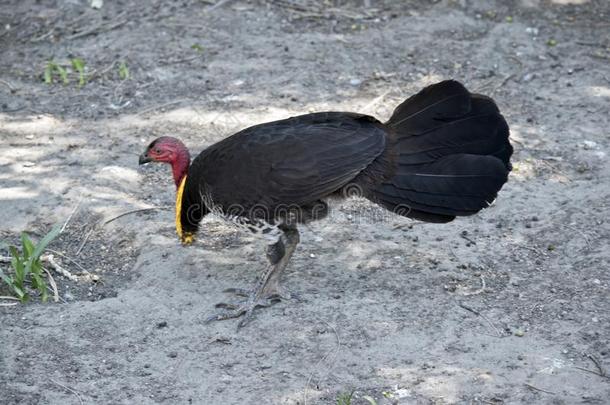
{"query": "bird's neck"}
{"type": "Point", "coordinates": [180, 166]}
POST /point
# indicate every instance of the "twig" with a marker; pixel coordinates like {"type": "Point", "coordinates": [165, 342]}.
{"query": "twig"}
{"type": "Point", "coordinates": [518, 142]}
{"type": "Point", "coordinates": [174, 62]}
{"type": "Point", "coordinates": [538, 389]}
{"type": "Point", "coordinates": [7, 84]}
{"type": "Point", "coordinates": [135, 211]}
{"type": "Point", "coordinates": [219, 4]}
{"type": "Point", "coordinates": [535, 250]}
{"type": "Point", "coordinates": [467, 308]}
{"type": "Point", "coordinates": [80, 400]}
{"type": "Point", "coordinates": [48, 258]}
{"type": "Point", "coordinates": [8, 304]}
{"type": "Point", "coordinates": [477, 313]}
{"type": "Point", "coordinates": [53, 285]}
{"type": "Point", "coordinates": [69, 259]}
{"type": "Point", "coordinates": [602, 372]}
{"type": "Point", "coordinates": [468, 239]}
{"type": "Point", "coordinates": [503, 82]}
{"type": "Point", "coordinates": [43, 36]}
{"type": "Point", "coordinates": [99, 28]}
{"type": "Point", "coordinates": [70, 217]}
{"type": "Point", "coordinates": [591, 371]}
{"type": "Point", "coordinates": [14, 109]}
{"type": "Point", "coordinates": [84, 242]}
{"type": "Point", "coordinates": [593, 44]}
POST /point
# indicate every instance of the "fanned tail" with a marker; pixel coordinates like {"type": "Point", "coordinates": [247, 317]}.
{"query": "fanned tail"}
{"type": "Point", "coordinates": [447, 155]}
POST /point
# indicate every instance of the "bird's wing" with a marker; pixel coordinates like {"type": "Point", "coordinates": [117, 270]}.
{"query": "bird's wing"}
{"type": "Point", "coordinates": [294, 161]}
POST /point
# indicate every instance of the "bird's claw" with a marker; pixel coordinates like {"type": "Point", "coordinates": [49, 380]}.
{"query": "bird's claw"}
{"type": "Point", "coordinates": [247, 307]}
{"type": "Point", "coordinates": [242, 292]}
{"type": "Point", "coordinates": [276, 294]}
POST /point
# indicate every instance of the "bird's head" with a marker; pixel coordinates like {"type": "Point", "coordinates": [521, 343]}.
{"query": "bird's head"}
{"type": "Point", "coordinates": [171, 150]}
{"type": "Point", "coordinates": [168, 150]}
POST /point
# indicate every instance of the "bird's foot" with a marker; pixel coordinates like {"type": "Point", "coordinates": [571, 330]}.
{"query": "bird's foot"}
{"type": "Point", "coordinates": [247, 306]}
{"type": "Point", "coordinates": [276, 294]}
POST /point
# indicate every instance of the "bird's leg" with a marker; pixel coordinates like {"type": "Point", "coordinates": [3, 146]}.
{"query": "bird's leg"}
{"type": "Point", "coordinates": [278, 255]}
{"type": "Point", "coordinates": [266, 291]}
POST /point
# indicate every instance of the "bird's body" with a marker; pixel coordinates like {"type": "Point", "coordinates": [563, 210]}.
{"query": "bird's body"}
{"type": "Point", "coordinates": [269, 173]}
{"type": "Point", "coordinates": [444, 153]}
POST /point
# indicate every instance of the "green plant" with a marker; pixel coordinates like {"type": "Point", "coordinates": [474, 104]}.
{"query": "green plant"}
{"type": "Point", "coordinates": [27, 266]}
{"type": "Point", "coordinates": [123, 71]}
{"type": "Point", "coordinates": [370, 400]}
{"type": "Point", "coordinates": [79, 66]}
{"type": "Point", "coordinates": [197, 47]}
{"type": "Point", "coordinates": [50, 69]}
{"type": "Point", "coordinates": [345, 398]}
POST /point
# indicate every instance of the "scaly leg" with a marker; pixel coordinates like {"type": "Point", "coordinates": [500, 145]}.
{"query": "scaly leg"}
{"type": "Point", "coordinates": [266, 291]}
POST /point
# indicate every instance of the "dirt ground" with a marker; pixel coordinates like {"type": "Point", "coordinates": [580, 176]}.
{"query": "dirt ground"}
{"type": "Point", "coordinates": [509, 306]}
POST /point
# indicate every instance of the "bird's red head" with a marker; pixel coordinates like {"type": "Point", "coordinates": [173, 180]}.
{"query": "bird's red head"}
{"type": "Point", "coordinates": [168, 150]}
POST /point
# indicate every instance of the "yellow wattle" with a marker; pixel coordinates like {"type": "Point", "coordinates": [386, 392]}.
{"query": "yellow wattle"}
{"type": "Point", "coordinates": [185, 237]}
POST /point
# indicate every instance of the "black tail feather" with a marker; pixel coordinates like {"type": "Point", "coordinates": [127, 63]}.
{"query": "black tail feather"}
{"type": "Point", "coordinates": [448, 154]}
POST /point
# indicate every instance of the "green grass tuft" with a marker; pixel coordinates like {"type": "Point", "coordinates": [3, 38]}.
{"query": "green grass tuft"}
{"type": "Point", "coordinates": [27, 267]}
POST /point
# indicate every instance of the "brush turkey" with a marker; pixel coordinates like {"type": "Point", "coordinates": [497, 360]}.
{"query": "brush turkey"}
{"type": "Point", "coordinates": [444, 152]}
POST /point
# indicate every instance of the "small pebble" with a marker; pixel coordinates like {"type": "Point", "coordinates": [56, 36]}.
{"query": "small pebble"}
{"type": "Point", "coordinates": [519, 333]}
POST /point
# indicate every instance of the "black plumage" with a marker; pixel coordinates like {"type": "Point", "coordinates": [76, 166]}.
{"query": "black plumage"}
{"type": "Point", "coordinates": [443, 153]}
{"type": "Point", "coordinates": [267, 168]}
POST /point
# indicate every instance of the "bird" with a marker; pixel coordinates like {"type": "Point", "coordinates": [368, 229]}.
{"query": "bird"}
{"type": "Point", "coordinates": [444, 153]}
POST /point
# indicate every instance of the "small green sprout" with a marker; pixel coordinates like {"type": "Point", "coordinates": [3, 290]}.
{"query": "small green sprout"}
{"type": "Point", "coordinates": [123, 71]}
{"type": "Point", "coordinates": [53, 68]}
{"type": "Point", "coordinates": [197, 47]}
{"type": "Point", "coordinates": [79, 66]}
{"type": "Point", "coordinates": [345, 398]}
{"type": "Point", "coordinates": [27, 266]}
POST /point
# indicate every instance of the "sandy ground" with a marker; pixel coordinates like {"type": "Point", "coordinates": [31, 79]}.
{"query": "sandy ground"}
{"type": "Point", "coordinates": [510, 306]}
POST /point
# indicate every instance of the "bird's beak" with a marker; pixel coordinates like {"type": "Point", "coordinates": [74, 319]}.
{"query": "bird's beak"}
{"type": "Point", "coordinates": [144, 158]}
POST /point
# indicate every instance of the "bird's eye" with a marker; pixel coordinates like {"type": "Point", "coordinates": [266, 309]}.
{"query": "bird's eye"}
{"type": "Point", "coordinates": [158, 151]}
